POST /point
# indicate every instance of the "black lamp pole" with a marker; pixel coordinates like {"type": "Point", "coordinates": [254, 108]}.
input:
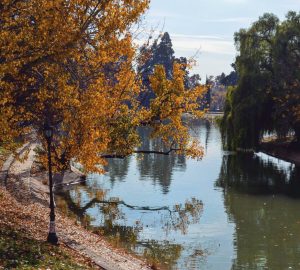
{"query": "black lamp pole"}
{"type": "Point", "coordinates": [52, 237]}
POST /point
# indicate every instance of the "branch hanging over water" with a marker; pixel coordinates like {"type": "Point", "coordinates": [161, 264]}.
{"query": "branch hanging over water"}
{"type": "Point", "coordinates": [166, 153]}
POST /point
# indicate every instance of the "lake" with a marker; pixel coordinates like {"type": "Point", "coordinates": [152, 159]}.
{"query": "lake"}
{"type": "Point", "coordinates": [226, 211]}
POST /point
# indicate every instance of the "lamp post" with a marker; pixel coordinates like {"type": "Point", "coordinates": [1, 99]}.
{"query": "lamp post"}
{"type": "Point", "coordinates": [52, 237]}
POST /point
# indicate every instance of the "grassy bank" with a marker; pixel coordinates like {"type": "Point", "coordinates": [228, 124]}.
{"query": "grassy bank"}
{"type": "Point", "coordinates": [18, 251]}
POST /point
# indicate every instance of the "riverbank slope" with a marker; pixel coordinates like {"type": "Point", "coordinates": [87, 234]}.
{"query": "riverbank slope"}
{"type": "Point", "coordinates": [22, 240]}
{"type": "Point", "coordinates": [24, 211]}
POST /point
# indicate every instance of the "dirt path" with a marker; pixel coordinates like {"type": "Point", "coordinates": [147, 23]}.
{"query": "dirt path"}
{"type": "Point", "coordinates": [7, 164]}
{"type": "Point", "coordinates": [32, 194]}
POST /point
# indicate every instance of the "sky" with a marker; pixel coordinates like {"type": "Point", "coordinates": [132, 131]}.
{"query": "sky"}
{"type": "Point", "coordinates": [205, 28]}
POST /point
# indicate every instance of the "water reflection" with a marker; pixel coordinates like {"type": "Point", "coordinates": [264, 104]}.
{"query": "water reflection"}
{"type": "Point", "coordinates": [224, 212]}
{"type": "Point", "coordinates": [158, 168]}
{"type": "Point", "coordinates": [164, 251]}
{"type": "Point", "coordinates": [208, 132]}
{"type": "Point", "coordinates": [259, 174]}
{"type": "Point", "coordinates": [120, 171]}
{"type": "Point", "coordinates": [111, 213]}
{"type": "Point", "coordinates": [267, 227]}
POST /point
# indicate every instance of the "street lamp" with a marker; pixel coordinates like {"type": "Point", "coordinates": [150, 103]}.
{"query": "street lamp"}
{"type": "Point", "coordinates": [52, 237]}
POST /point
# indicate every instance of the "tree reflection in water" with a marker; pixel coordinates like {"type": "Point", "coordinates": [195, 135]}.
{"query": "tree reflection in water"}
{"type": "Point", "coordinates": [158, 167]}
{"type": "Point", "coordinates": [267, 229]}
{"type": "Point", "coordinates": [110, 210]}
{"type": "Point", "coordinates": [259, 174]}
{"type": "Point", "coordinates": [259, 196]}
{"type": "Point", "coordinates": [120, 171]}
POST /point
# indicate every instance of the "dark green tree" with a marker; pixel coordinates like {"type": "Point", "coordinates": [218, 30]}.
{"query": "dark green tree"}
{"type": "Point", "coordinates": [229, 80]}
{"type": "Point", "coordinates": [159, 53]}
{"type": "Point", "coordinates": [248, 112]}
{"type": "Point", "coordinates": [287, 75]}
{"type": "Point", "coordinates": [267, 95]}
{"type": "Point", "coordinates": [163, 54]}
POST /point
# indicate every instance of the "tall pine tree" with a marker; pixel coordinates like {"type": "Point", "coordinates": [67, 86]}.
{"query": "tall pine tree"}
{"type": "Point", "coordinates": [159, 53]}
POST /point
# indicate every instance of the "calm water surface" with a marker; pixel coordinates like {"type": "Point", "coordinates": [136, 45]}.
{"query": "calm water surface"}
{"type": "Point", "coordinates": [227, 211]}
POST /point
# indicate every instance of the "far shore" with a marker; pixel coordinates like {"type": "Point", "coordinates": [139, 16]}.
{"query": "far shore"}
{"type": "Point", "coordinates": [285, 150]}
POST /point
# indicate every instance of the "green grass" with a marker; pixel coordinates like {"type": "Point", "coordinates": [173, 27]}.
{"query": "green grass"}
{"type": "Point", "coordinates": [17, 251]}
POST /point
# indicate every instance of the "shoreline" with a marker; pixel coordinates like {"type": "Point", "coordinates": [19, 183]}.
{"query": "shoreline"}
{"type": "Point", "coordinates": [30, 196]}
{"type": "Point", "coordinates": [282, 150]}
{"type": "Point", "coordinates": [23, 230]}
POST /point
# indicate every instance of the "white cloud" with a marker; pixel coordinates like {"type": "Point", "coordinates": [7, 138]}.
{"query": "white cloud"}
{"type": "Point", "coordinates": [210, 44]}
{"type": "Point", "coordinates": [197, 36]}
{"type": "Point", "coordinates": [192, 44]}
{"type": "Point", "coordinates": [213, 53]}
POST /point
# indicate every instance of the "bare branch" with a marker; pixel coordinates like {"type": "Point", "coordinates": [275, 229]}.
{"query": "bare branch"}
{"type": "Point", "coordinates": [166, 153]}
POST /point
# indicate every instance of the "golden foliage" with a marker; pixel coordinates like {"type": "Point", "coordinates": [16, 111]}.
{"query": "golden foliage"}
{"type": "Point", "coordinates": [70, 64]}
{"type": "Point", "coordinates": [172, 101]}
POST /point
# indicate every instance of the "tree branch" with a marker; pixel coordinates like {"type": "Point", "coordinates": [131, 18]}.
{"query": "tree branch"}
{"type": "Point", "coordinates": [166, 153]}
{"type": "Point", "coordinates": [157, 152]}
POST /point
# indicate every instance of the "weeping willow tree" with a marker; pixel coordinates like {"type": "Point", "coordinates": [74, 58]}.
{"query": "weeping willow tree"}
{"type": "Point", "coordinates": [287, 75]}
{"type": "Point", "coordinates": [266, 98]}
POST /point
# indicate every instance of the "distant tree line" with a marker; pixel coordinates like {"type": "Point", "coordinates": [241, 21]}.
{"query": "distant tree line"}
{"type": "Point", "coordinates": [219, 86]}
{"type": "Point", "coordinates": [267, 96]}
{"type": "Point", "coordinates": [228, 80]}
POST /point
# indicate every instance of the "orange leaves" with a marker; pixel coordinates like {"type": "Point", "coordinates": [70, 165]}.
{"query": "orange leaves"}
{"type": "Point", "coordinates": [172, 101]}
{"type": "Point", "coordinates": [70, 63]}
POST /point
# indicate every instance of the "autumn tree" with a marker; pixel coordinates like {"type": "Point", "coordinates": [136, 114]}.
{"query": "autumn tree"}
{"type": "Point", "coordinates": [159, 52]}
{"type": "Point", "coordinates": [70, 64]}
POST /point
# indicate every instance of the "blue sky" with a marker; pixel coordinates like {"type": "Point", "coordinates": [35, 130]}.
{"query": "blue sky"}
{"type": "Point", "coordinates": [207, 26]}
